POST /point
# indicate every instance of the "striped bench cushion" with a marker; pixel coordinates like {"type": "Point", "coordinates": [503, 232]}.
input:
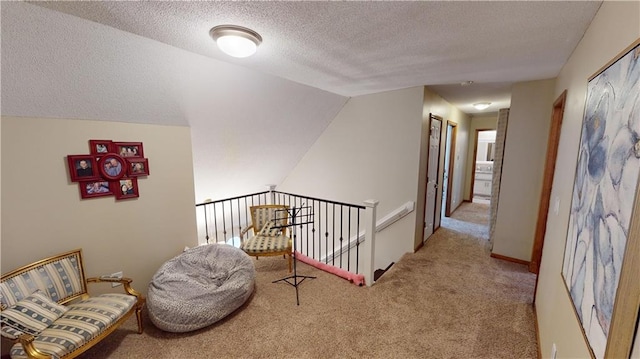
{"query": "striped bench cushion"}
{"type": "Point", "coordinates": [31, 315]}
{"type": "Point", "coordinates": [263, 244]}
{"type": "Point", "coordinates": [83, 321]}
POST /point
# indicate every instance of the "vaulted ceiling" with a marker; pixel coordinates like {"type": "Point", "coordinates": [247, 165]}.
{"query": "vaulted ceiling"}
{"type": "Point", "coordinates": [154, 62]}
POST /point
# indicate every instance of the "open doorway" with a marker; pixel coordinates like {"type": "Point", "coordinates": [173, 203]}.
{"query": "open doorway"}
{"type": "Point", "coordinates": [483, 166]}
{"type": "Point", "coordinates": [545, 194]}
{"type": "Point", "coordinates": [470, 218]}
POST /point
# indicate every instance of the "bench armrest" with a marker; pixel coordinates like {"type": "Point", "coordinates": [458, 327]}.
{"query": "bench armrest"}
{"type": "Point", "coordinates": [27, 343]}
{"type": "Point", "coordinates": [126, 283]}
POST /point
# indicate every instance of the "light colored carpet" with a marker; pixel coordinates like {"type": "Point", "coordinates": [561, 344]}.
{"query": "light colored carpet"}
{"type": "Point", "coordinates": [448, 300]}
{"type": "Point", "coordinates": [471, 219]}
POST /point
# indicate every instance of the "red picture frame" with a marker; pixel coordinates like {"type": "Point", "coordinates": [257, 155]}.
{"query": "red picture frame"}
{"type": "Point", "coordinates": [105, 172]}
{"type": "Point", "coordinates": [100, 147]}
{"type": "Point", "coordinates": [125, 188]}
{"type": "Point", "coordinates": [129, 149]}
{"type": "Point", "coordinates": [138, 167]}
{"type": "Point", "coordinates": [83, 168]}
{"type": "Point", "coordinates": [112, 166]}
{"type": "Point", "coordinates": [99, 188]}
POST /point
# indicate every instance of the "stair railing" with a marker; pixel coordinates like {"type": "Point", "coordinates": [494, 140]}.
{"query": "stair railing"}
{"type": "Point", "coordinates": [221, 221]}
{"type": "Point", "coordinates": [326, 240]}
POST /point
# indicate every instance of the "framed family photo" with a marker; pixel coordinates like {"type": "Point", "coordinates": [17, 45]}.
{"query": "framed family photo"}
{"type": "Point", "coordinates": [112, 166]}
{"type": "Point", "coordinates": [128, 149]}
{"type": "Point", "coordinates": [138, 167]}
{"type": "Point", "coordinates": [100, 147]}
{"type": "Point", "coordinates": [126, 188]}
{"type": "Point", "coordinates": [82, 168]}
{"type": "Point", "coordinates": [601, 259]}
{"type": "Point", "coordinates": [91, 189]}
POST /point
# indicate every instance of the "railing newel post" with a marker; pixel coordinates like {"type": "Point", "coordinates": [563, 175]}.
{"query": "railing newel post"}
{"type": "Point", "coordinates": [368, 252]}
{"type": "Point", "coordinates": [271, 198]}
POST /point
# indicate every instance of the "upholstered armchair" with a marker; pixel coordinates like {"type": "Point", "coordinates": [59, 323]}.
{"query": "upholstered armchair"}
{"type": "Point", "coordinates": [269, 232]}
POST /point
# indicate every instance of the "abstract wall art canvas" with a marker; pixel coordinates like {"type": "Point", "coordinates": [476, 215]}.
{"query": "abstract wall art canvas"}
{"type": "Point", "coordinates": [603, 195]}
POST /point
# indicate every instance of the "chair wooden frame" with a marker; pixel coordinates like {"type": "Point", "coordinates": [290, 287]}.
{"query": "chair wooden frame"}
{"type": "Point", "coordinates": [257, 224]}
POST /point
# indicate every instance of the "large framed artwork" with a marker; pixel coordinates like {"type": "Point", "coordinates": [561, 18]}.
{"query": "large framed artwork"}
{"type": "Point", "coordinates": [601, 266]}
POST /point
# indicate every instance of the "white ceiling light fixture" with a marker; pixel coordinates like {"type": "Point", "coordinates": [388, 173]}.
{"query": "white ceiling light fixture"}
{"type": "Point", "coordinates": [236, 41]}
{"type": "Point", "coordinates": [482, 105]}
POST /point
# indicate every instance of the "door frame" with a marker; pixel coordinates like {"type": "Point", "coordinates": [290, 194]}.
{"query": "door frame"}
{"type": "Point", "coordinates": [473, 160]}
{"type": "Point", "coordinates": [549, 170]}
{"type": "Point", "coordinates": [452, 157]}
{"type": "Point", "coordinates": [438, 189]}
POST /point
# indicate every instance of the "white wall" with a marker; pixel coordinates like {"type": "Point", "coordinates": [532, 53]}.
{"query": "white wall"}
{"type": "Point", "coordinates": [616, 26]}
{"type": "Point", "coordinates": [484, 122]}
{"type": "Point", "coordinates": [522, 168]}
{"type": "Point", "coordinates": [369, 151]}
{"type": "Point", "coordinates": [43, 215]}
{"type": "Point", "coordinates": [436, 105]}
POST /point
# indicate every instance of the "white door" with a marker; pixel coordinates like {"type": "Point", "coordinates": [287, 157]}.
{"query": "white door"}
{"type": "Point", "coordinates": [432, 176]}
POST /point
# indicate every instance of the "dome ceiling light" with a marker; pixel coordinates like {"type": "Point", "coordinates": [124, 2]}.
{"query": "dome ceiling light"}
{"type": "Point", "coordinates": [481, 105]}
{"type": "Point", "coordinates": [236, 41]}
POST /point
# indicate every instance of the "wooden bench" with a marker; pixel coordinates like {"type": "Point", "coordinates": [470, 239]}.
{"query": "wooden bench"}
{"type": "Point", "coordinates": [48, 312]}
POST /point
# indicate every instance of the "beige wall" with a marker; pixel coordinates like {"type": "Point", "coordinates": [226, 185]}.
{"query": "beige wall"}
{"type": "Point", "coordinates": [369, 151]}
{"type": "Point", "coordinates": [477, 123]}
{"type": "Point", "coordinates": [436, 105]}
{"type": "Point", "coordinates": [522, 168]}
{"type": "Point", "coordinates": [43, 214]}
{"type": "Point", "coordinates": [616, 26]}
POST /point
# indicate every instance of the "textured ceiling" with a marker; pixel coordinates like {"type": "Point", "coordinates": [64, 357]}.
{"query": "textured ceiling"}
{"type": "Point", "coordinates": [355, 48]}
{"type": "Point", "coordinates": [153, 62]}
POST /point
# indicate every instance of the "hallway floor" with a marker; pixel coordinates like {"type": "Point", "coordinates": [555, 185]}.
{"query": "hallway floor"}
{"type": "Point", "coordinates": [469, 218]}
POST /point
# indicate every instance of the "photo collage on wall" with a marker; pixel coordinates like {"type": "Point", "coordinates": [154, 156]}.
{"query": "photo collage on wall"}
{"type": "Point", "coordinates": [110, 169]}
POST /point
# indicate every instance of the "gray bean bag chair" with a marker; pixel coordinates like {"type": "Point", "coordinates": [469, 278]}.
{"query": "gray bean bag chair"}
{"type": "Point", "coordinates": [199, 287]}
